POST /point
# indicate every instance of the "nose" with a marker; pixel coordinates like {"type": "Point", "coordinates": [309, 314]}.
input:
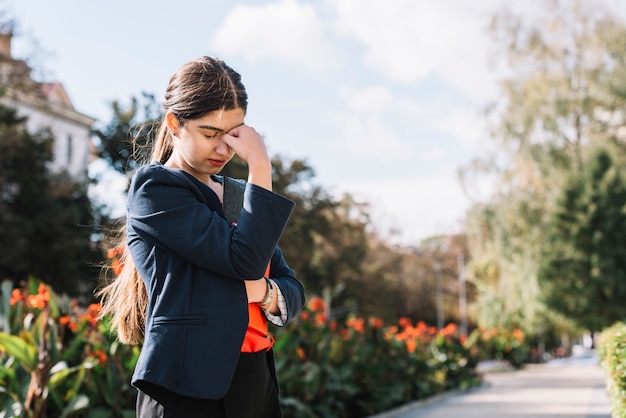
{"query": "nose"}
{"type": "Point", "coordinates": [222, 147]}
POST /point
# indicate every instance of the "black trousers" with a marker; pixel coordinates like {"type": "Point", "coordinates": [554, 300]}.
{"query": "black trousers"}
{"type": "Point", "coordinates": [252, 394]}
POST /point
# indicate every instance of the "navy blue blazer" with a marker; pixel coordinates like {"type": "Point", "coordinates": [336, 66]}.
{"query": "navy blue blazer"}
{"type": "Point", "coordinates": [193, 263]}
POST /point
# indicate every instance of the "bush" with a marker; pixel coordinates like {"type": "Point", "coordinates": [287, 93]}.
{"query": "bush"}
{"type": "Point", "coordinates": [498, 344]}
{"type": "Point", "coordinates": [57, 360]}
{"type": "Point", "coordinates": [612, 352]}
{"type": "Point", "coordinates": [360, 367]}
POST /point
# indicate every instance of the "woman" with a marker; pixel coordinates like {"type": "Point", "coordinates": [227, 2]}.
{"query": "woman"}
{"type": "Point", "coordinates": [197, 289]}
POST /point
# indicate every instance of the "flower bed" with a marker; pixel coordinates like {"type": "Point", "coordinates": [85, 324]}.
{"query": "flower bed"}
{"type": "Point", "coordinates": [57, 360]}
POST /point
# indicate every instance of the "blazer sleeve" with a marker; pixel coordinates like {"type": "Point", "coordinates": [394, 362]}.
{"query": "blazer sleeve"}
{"type": "Point", "coordinates": [172, 211]}
{"type": "Point", "coordinates": [290, 287]}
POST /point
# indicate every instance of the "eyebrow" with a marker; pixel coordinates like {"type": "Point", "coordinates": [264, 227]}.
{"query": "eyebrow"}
{"type": "Point", "coordinates": [217, 129]}
{"type": "Point", "coordinates": [213, 128]}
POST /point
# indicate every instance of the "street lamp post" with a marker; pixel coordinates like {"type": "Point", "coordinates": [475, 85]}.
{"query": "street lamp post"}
{"type": "Point", "coordinates": [462, 293]}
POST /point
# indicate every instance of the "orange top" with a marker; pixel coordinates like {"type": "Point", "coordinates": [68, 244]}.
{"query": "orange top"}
{"type": "Point", "coordinates": [257, 336]}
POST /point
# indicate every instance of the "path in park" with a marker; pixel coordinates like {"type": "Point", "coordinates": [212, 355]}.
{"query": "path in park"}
{"type": "Point", "coordinates": [566, 388]}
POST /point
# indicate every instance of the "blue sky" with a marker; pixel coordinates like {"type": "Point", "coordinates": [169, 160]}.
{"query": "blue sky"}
{"type": "Point", "coordinates": [382, 98]}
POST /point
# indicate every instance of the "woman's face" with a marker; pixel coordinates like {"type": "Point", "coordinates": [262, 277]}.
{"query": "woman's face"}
{"type": "Point", "coordinates": [199, 147]}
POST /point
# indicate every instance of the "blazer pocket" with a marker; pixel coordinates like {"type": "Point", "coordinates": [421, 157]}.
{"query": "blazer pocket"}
{"type": "Point", "coordinates": [180, 320]}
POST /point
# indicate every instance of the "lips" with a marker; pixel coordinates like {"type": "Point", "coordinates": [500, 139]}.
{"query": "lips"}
{"type": "Point", "coordinates": [217, 163]}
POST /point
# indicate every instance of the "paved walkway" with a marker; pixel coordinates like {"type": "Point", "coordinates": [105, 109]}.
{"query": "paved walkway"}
{"type": "Point", "coordinates": [568, 388]}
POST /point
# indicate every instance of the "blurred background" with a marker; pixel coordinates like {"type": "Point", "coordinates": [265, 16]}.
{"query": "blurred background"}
{"type": "Point", "coordinates": [452, 162]}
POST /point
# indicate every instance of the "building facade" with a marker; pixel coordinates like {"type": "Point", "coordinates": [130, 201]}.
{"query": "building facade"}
{"type": "Point", "coordinates": [47, 107]}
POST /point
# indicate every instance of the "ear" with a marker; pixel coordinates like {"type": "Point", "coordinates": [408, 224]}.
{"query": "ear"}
{"type": "Point", "coordinates": [172, 122]}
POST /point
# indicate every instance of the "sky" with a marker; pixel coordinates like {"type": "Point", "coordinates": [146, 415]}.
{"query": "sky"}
{"type": "Point", "coordinates": [383, 99]}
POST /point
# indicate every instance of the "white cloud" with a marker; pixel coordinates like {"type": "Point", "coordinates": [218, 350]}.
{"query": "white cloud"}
{"type": "Point", "coordinates": [286, 30]}
{"type": "Point", "coordinates": [465, 124]}
{"type": "Point", "coordinates": [408, 40]}
{"type": "Point", "coordinates": [370, 136]}
{"type": "Point", "coordinates": [404, 39]}
{"type": "Point", "coordinates": [435, 153]}
{"type": "Point", "coordinates": [374, 100]}
{"type": "Point", "coordinates": [366, 127]}
{"type": "Point", "coordinates": [415, 207]}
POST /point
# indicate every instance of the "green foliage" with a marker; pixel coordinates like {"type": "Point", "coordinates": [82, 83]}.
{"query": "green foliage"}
{"type": "Point", "coordinates": [502, 345]}
{"type": "Point", "coordinates": [325, 240]}
{"type": "Point", "coordinates": [56, 360]}
{"type": "Point", "coordinates": [612, 352]}
{"type": "Point", "coordinates": [584, 270]}
{"type": "Point", "coordinates": [45, 218]}
{"type": "Point", "coordinates": [361, 367]}
{"type": "Point", "coordinates": [124, 142]}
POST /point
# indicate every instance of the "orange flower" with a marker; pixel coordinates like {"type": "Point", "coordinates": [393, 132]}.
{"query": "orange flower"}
{"type": "Point", "coordinates": [301, 353]}
{"type": "Point", "coordinates": [357, 324]}
{"type": "Point", "coordinates": [35, 301]}
{"type": "Point", "coordinates": [519, 335]}
{"type": "Point", "coordinates": [69, 322]}
{"type": "Point", "coordinates": [304, 315]}
{"type": "Point", "coordinates": [316, 304]}
{"type": "Point", "coordinates": [391, 332]}
{"type": "Point", "coordinates": [99, 355]}
{"type": "Point", "coordinates": [16, 296]}
{"type": "Point", "coordinates": [92, 314]}
{"type": "Point", "coordinates": [376, 323]}
{"type": "Point", "coordinates": [404, 322]}
{"type": "Point", "coordinates": [73, 326]}
{"type": "Point", "coordinates": [320, 318]}
{"type": "Point", "coordinates": [411, 345]}
{"type": "Point", "coordinates": [115, 252]}
{"type": "Point", "coordinates": [43, 292]}
{"type": "Point", "coordinates": [117, 266]}
{"type": "Point", "coordinates": [332, 325]}
{"type": "Point", "coordinates": [449, 330]}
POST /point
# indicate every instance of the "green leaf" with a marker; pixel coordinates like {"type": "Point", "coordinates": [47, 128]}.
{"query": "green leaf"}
{"type": "Point", "coordinates": [78, 404]}
{"type": "Point", "coordinates": [24, 352]}
{"type": "Point", "coordinates": [61, 373]}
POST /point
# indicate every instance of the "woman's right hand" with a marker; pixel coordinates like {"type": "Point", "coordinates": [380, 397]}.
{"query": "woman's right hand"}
{"type": "Point", "coordinates": [248, 144]}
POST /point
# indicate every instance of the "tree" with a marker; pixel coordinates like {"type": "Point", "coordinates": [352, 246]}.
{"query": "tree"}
{"type": "Point", "coordinates": [325, 240]}
{"type": "Point", "coordinates": [46, 221]}
{"type": "Point", "coordinates": [124, 142]}
{"type": "Point", "coordinates": [583, 269]}
{"type": "Point", "coordinates": [564, 95]}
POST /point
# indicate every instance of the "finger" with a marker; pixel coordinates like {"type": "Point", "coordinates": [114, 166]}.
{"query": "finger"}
{"type": "Point", "coordinates": [236, 130]}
